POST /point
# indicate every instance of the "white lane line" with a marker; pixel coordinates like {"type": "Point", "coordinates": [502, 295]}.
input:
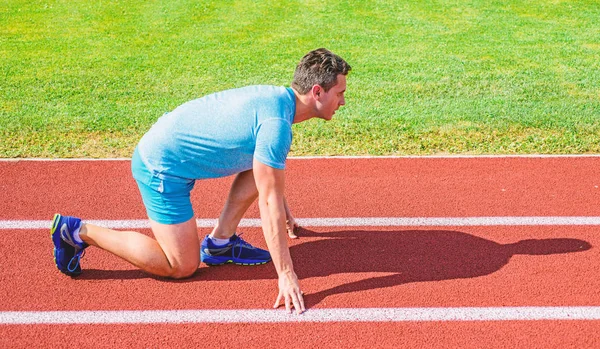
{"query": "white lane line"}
{"type": "Point", "coordinates": [312, 315]}
{"type": "Point", "coordinates": [350, 157]}
{"type": "Point", "coordinates": [339, 222]}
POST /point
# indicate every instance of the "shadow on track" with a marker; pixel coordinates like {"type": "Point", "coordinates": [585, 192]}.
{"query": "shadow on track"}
{"type": "Point", "coordinates": [411, 255]}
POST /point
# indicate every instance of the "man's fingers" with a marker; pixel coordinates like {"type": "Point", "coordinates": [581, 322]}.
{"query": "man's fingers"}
{"type": "Point", "coordinates": [292, 230]}
{"type": "Point", "coordinates": [278, 301]}
{"type": "Point", "coordinates": [301, 301]}
{"type": "Point", "coordinates": [294, 299]}
{"type": "Point", "coordinates": [298, 303]}
{"type": "Point", "coordinates": [288, 306]}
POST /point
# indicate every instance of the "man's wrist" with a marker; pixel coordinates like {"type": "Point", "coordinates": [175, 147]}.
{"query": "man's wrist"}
{"type": "Point", "coordinates": [286, 272]}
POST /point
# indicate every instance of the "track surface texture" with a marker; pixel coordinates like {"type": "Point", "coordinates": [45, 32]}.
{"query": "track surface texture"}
{"type": "Point", "coordinates": [367, 268]}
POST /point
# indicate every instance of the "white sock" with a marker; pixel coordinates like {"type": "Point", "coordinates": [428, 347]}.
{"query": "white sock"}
{"type": "Point", "coordinates": [76, 235]}
{"type": "Point", "coordinates": [219, 242]}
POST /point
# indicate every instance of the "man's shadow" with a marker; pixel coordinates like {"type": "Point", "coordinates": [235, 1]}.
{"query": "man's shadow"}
{"type": "Point", "coordinates": [411, 255]}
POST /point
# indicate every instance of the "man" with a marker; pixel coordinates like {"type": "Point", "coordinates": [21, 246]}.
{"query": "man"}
{"type": "Point", "coordinates": [245, 131]}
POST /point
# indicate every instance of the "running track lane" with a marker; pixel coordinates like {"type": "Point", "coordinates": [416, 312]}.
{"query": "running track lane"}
{"type": "Point", "coordinates": [354, 187]}
{"type": "Point", "coordinates": [509, 335]}
{"type": "Point", "coordinates": [432, 187]}
{"type": "Point", "coordinates": [370, 267]}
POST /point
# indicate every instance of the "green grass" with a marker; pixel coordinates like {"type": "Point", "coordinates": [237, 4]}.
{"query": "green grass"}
{"type": "Point", "coordinates": [87, 79]}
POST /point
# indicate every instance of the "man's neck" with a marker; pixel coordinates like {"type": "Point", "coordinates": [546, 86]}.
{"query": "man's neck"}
{"type": "Point", "coordinates": [304, 107]}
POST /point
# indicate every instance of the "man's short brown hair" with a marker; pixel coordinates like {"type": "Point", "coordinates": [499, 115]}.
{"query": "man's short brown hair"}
{"type": "Point", "coordinates": [319, 67]}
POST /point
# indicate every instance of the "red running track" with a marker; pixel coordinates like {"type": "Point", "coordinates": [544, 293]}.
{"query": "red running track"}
{"type": "Point", "coordinates": [413, 267]}
{"type": "Point", "coordinates": [379, 187]}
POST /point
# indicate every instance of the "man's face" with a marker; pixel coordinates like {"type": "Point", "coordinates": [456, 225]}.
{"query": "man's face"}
{"type": "Point", "coordinates": [328, 102]}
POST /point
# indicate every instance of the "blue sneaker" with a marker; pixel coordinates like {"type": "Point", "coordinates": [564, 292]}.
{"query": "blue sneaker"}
{"type": "Point", "coordinates": [235, 251]}
{"type": "Point", "coordinates": [67, 251]}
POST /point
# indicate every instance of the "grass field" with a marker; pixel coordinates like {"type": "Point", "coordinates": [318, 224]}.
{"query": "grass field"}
{"type": "Point", "coordinates": [87, 79]}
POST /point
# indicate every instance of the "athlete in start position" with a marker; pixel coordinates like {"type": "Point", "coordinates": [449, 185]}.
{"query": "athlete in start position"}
{"type": "Point", "coordinates": [245, 131]}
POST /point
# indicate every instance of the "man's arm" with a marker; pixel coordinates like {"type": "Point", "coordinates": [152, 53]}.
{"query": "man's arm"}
{"type": "Point", "coordinates": [270, 183]}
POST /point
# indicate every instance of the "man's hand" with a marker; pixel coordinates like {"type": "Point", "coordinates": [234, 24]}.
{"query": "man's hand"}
{"type": "Point", "coordinates": [289, 291]}
{"type": "Point", "coordinates": [290, 223]}
{"type": "Point", "coordinates": [291, 227]}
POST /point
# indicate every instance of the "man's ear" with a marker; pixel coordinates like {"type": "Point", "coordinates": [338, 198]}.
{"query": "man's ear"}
{"type": "Point", "coordinates": [316, 91]}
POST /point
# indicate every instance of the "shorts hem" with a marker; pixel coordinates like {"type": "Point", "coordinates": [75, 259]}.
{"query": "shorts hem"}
{"type": "Point", "coordinates": [170, 221]}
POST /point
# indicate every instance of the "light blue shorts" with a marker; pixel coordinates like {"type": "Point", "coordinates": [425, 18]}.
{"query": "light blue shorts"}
{"type": "Point", "coordinates": [167, 200]}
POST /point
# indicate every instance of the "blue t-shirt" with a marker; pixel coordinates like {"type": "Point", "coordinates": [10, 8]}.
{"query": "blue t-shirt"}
{"type": "Point", "coordinates": [220, 134]}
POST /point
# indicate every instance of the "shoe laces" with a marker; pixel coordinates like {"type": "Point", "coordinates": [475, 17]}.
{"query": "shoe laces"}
{"type": "Point", "coordinates": [240, 244]}
{"type": "Point", "coordinates": [77, 257]}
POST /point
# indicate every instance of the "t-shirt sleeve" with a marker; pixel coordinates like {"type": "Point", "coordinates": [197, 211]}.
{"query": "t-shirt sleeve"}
{"type": "Point", "coordinates": [273, 142]}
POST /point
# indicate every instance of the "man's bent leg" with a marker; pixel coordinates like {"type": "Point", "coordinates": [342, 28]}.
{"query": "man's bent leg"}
{"type": "Point", "coordinates": [180, 244]}
{"type": "Point", "coordinates": [242, 194]}
{"type": "Point", "coordinates": [175, 253]}
{"type": "Point", "coordinates": [234, 249]}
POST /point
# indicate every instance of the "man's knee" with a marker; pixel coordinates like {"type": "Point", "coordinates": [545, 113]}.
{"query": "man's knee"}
{"type": "Point", "coordinates": [183, 271]}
